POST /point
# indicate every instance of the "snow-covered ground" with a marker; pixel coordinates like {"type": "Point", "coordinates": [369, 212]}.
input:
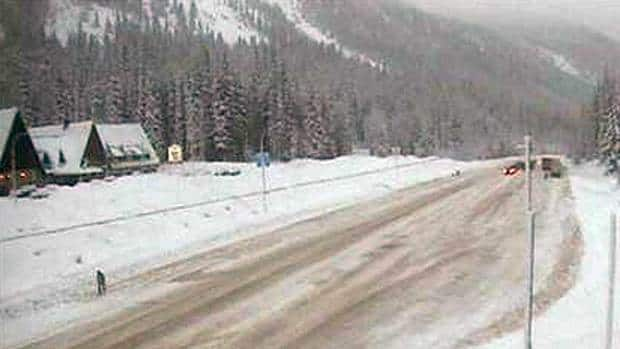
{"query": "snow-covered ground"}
{"type": "Point", "coordinates": [138, 222]}
{"type": "Point", "coordinates": [65, 16]}
{"type": "Point", "coordinates": [578, 320]}
{"type": "Point", "coordinates": [293, 12]}
{"type": "Point", "coordinates": [564, 64]}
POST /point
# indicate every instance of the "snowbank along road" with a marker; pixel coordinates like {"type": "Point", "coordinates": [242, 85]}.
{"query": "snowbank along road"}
{"type": "Point", "coordinates": [439, 265]}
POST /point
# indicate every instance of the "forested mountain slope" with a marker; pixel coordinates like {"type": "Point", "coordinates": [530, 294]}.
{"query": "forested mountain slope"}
{"type": "Point", "coordinates": [313, 78]}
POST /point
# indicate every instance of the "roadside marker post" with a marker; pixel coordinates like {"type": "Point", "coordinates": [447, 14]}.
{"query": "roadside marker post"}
{"type": "Point", "coordinates": [612, 280]}
{"type": "Point", "coordinates": [263, 161]}
{"type": "Point", "coordinates": [531, 218]}
{"type": "Point", "coordinates": [531, 221]}
{"type": "Point", "coordinates": [528, 170]}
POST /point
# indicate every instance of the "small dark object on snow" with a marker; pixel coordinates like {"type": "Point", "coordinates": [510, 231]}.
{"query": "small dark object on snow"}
{"type": "Point", "coordinates": [25, 191]}
{"type": "Point", "coordinates": [456, 173]}
{"type": "Point", "coordinates": [101, 288]}
{"type": "Point", "coordinates": [228, 172]}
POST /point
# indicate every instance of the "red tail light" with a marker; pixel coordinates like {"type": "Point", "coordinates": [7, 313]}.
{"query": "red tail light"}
{"type": "Point", "coordinates": [2, 178]}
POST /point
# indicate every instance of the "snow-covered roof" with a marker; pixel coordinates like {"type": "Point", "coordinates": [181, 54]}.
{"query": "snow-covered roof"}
{"type": "Point", "coordinates": [64, 147]}
{"type": "Point", "coordinates": [6, 121]}
{"type": "Point", "coordinates": [127, 143]}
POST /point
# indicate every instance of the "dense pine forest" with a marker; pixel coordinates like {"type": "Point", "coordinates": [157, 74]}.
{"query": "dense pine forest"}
{"type": "Point", "coordinates": [302, 98]}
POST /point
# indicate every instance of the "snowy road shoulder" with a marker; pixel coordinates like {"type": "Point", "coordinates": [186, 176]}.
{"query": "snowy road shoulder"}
{"type": "Point", "coordinates": [577, 320]}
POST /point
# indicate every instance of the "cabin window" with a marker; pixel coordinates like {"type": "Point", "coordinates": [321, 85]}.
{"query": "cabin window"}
{"type": "Point", "coordinates": [61, 158]}
{"type": "Point", "coordinates": [47, 161]}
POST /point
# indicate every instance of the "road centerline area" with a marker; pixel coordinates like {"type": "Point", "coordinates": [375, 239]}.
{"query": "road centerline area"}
{"type": "Point", "coordinates": [410, 266]}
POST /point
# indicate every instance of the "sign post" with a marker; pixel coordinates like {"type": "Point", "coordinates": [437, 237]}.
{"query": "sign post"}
{"type": "Point", "coordinates": [528, 170]}
{"type": "Point", "coordinates": [530, 279]}
{"type": "Point", "coordinates": [531, 245]}
{"type": "Point", "coordinates": [612, 281]}
{"type": "Point", "coordinates": [263, 161]}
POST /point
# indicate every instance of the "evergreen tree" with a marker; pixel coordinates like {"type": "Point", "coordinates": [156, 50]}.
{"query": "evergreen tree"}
{"type": "Point", "coordinates": [150, 116]}
{"type": "Point", "coordinates": [114, 100]}
{"type": "Point", "coordinates": [223, 115]}
{"type": "Point", "coordinates": [455, 134]}
{"type": "Point", "coordinates": [177, 107]}
{"type": "Point", "coordinates": [610, 142]}
{"type": "Point", "coordinates": [194, 120]}
{"type": "Point", "coordinates": [318, 143]}
{"type": "Point", "coordinates": [240, 121]}
{"type": "Point", "coordinates": [281, 116]}
{"type": "Point", "coordinates": [61, 100]}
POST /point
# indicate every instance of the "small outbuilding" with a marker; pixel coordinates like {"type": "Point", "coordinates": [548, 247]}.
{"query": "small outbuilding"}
{"type": "Point", "coordinates": [127, 148]}
{"type": "Point", "coordinates": [70, 152]}
{"type": "Point", "coordinates": [18, 156]}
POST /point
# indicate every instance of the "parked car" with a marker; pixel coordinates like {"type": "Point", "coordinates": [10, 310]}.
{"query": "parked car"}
{"type": "Point", "coordinates": [511, 170]}
{"type": "Point", "coordinates": [514, 168]}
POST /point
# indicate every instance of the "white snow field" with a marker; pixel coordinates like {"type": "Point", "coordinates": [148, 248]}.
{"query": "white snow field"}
{"type": "Point", "coordinates": [564, 64]}
{"type": "Point", "coordinates": [217, 15]}
{"type": "Point", "coordinates": [65, 16]}
{"type": "Point", "coordinates": [293, 12]}
{"type": "Point", "coordinates": [50, 247]}
{"type": "Point", "coordinates": [578, 320]}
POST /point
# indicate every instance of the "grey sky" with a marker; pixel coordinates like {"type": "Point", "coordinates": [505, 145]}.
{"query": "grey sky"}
{"type": "Point", "coordinates": [602, 15]}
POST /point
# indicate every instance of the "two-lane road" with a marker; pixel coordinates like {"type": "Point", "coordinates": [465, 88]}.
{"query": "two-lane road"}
{"type": "Point", "coordinates": [423, 268]}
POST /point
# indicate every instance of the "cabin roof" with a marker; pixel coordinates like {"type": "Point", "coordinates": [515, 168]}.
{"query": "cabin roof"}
{"type": "Point", "coordinates": [58, 141]}
{"type": "Point", "coordinates": [7, 117]}
{"type": "Point", "coordinates": [127, 141]}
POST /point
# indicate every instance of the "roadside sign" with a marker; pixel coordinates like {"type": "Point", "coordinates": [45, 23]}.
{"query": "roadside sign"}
{"type": "Point", "coordinates": [175, 154]}
{"type": "Point", "coordinates": [263, 159]}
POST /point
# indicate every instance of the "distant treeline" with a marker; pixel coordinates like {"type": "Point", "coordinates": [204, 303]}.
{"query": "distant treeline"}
{"type": "Point", "coordinates": [302, 98]}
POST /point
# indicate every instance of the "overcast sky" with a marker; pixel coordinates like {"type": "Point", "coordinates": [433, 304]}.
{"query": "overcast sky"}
{"type": "Point", "coordinates": [602, 15]}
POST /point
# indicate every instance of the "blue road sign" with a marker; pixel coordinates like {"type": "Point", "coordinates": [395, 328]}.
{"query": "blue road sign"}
{"type": "Point", "coordinates": [262, 159]}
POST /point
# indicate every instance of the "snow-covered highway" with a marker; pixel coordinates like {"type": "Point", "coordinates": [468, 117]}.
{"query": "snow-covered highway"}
{"type": "Point", "coordinates": [438, 265]}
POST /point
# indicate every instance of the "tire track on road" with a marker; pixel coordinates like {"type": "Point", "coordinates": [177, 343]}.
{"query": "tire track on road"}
{"type": "Point", "coordinates": [250, 276]}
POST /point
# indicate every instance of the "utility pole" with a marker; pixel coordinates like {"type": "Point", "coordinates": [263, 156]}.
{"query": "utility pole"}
{"type": "Point", "coordinates": [528, 170]}
{"type": "Point", "coordinates": [612, 281]}
{"type": "Point", "coordinates": [530, 279]}
{"type": "Point", "coordinates": [531, 217]}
